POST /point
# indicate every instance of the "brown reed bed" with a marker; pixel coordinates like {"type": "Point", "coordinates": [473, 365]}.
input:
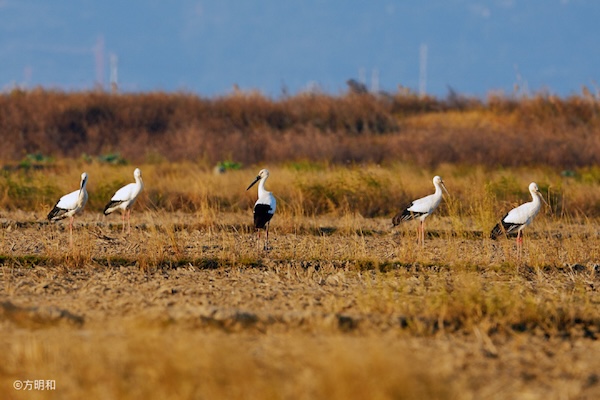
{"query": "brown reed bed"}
{"type": "Point", "coordinates": [349, 128]}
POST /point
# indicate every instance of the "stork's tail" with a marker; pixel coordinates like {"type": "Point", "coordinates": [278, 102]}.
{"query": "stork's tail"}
{"type": "Point", "coordinates": [56, 214]}
{"type": "Point", "coordinates": [497, 231]}
{"type": "Point", "coordinates": [110, 206]}
{"type": "Point", "coordinates": [402, 216]}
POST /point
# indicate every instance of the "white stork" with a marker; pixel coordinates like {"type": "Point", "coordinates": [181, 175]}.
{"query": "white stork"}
{"type": "Point", "coordinates": [264, 208]}
{"type": "Point", "coordinates": [70, 205]}
{"type": "Point", "coordinates": [520, 217]}
{"type": "Point", "coordinates": [124, 198]}
{"type": "Point", "coordinates": [422, 208]}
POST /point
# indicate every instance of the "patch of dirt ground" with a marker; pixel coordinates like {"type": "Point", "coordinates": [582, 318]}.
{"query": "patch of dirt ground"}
{"type": "Point", "coordinates": [112, 316]}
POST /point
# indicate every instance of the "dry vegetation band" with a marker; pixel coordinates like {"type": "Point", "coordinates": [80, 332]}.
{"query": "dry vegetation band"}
{"type": "Point", "coordinates": [353, 127]}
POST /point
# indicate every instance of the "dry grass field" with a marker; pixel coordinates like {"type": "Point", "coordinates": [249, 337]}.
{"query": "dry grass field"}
{"type": "Point", "coordinates": [343, 306]}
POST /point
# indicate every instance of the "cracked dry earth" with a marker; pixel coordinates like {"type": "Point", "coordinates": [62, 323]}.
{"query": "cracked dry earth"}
{"type": "Point", "coordinates": [112, 318]}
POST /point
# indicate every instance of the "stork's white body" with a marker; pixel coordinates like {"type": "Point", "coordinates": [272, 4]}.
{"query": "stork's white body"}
{"type": "Point", "coordinates": [71, 204]}
{"type": "Point", "coordinates": [523, 215]}
{"type": "Point", "coordinates": [422, 208]}
{"type": "Point", "coordinates": [426, 205]}
{"type": "Point", "coordinates": [265, 206]}
{"type": "Point", "coordinates": [125, 197]}
{"type": "Point", "coordinates": [520, 217]}
{"type": "Point", "coordinates": [265, 198]}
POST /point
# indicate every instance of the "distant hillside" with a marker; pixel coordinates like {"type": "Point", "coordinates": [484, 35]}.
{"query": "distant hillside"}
{"type": "Point", "coordinates": [351, 128]}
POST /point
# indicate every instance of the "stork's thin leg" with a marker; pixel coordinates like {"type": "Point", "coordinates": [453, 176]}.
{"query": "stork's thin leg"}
{"type": "Point", "coordinates": [123, 222]}
{"type": "Point", "coordinates": [129, 221]}
{"type": "Point", "coordinates": [519, 244]}
{"type": "Point", "coordinates": [71, 230]}
{"type": "Point", "coordinates": [267, 240]}
{"type": "Point", "coordinates": [418, 233]}
{"type": "Point", "coordinates": [423, 233]}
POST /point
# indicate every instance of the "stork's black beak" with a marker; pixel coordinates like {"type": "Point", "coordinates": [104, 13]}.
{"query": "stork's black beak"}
{"type": "Point", "coordinates": [256, 180]}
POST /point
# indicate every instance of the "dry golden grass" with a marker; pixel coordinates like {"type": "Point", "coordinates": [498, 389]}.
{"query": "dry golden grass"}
{"type": "Point", "coordinates": [477, 194]}
{"type": "Point", "coordinates": [303, 327]}
{"type": "Point", "coordinates": [343, 306]}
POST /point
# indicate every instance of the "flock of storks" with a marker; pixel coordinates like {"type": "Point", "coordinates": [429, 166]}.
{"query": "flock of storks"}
{"type": "Point", "coordinates": [72, 204]}
{"type": "Point", "coordinates": [513, 222]}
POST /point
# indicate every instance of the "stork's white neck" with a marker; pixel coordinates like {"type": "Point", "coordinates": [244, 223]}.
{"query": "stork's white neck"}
{"type": "Point", "coordinates": [438, 189]}
{"type": "Point", "coordinates": [261, 187]}
{"type": "Point", "coordinates": [536, 198]}
{"type": "Point", "coordinates": [82, 187]}
{"type": "Point", "coordinates": [139, 181]}
{"type": "Point", "coordinates": [82, 197]}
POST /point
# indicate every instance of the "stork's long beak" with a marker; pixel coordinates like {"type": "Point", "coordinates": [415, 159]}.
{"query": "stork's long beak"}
{"type": "Point", "coordinates": [444, 187]}
{"type": "Point", "coordinates": [256, 180]}
{"type": "Point", "coordinates": [542, 197]}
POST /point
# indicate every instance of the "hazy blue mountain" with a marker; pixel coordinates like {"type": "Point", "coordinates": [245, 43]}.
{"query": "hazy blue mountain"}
{"type": "Point", "coordinates": [207, 47]}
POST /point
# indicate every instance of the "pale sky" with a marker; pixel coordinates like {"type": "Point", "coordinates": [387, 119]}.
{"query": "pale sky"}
{"type": "Point", "coordinates": [207, 47]}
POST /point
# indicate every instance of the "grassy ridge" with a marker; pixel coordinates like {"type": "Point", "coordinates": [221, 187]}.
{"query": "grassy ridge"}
{"type": "Point", "coordinates": [250, 128]}
{"type": "Point", "coordinates": [478, 194]}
